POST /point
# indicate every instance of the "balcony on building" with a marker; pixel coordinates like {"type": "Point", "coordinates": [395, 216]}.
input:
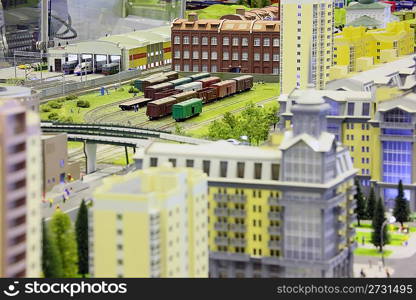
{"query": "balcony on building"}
{"type": "Point", "coordinates": [274, 215]}
{"type": "Point", "coordinates": [352, 218]}
{"type": "Point", "coordinates": [238, 242]}
{"type": "Point", "coordinates": [220, 226]}
{"type": "Point", "coordinates": [274, 245]}
{"type": "Point", "coordinates": [351, 231]}
{"type": "Point", "coordinates": [238, 227]}
{"type": "Point", "coordinates": [221, 241]}
{"type": "Point", "coordinates": [221, 212]}
{"type": "Point", "coordinates": [341, 225]}
{"type": "Point", "coordinates": [273, 201]}
{"type": "Point", "coordinates": [221, 198]}
{"type": "Point", "coordinates": [274, 230]}
{"type": "Point", "coordinates": [396, 125]}
{"type": "Point", "coordinates": [242, 199]}
{"type": "Point", "coordinates": [238, 213]}
{"type": "Point", "coordinates": [342, 239]}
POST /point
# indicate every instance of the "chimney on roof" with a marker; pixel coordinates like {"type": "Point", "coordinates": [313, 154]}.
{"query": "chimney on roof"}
{"type": "Point", "coordinates": [193, 17]}
{"type": "Point", "coordinates": [240, 11]}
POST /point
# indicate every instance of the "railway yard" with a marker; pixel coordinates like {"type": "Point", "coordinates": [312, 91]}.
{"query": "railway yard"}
{"type": "Point", "coordinates": [105, 108]}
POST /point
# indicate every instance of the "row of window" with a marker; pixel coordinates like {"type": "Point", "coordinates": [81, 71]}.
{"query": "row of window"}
{"type": "Point", "coordinates": [363, 149]}
{"type": "Point", "coordinates": [350, 137]}
{"type": "Point", "coordinates": [225, 55]}
{"type": "Point", "coordinates": [214, 68]}
{"type": "Point", "coordinates": [365, 111]}
{"type": "Point", "coordinates": [364, 126]}
{"type": "Point", "coordinates": [206, 167]}
{"type": "Point", "coordinates": [235, 41]}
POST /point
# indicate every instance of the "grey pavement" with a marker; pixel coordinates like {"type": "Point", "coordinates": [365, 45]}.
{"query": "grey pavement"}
{"type": "Point", "coordinates": [80, 189]}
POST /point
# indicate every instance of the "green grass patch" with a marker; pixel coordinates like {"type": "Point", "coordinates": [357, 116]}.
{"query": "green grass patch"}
{"type": "Point", "coordinates": [371, 252]}
{"type": "Point", "coordinates": [216, 11]}
{"type": "Point", "coordinates": [75, 145]}
{"type": "Point", "coordinates": [396, 239]}
{"type": "Point", "coordinates": [259, 93]}
{"type": "Point", "coordinates": [340, 16]}
{"type": "Point", "coordinates": [70, 109]}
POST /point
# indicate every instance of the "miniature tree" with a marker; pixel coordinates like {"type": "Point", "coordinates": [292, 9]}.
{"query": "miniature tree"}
{"type": "Point", "coordinates": [371, 204]}
{"type": "Point", "coordinates": [51, 257]}
{"type": "Point", "coordinates": [359, 198]}
{"type": "Point", "coordinates": [378, 220]}
{"type": "Point", "coordinates": [81, 229]}
{"type": "Point", "coordinates": [63, 234]}
{"type": "Point", "coordinates": [266, 3]}
{"type": "Point", "coordinates": [401, 207]}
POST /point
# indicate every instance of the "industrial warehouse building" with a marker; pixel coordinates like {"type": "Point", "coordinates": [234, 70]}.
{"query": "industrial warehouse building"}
{"type": "Point", "coordinates": [142, 50]}
{"type": "Point", "coordinates": [246, 46]}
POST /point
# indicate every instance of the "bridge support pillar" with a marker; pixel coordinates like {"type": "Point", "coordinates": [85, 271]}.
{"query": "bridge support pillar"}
{"type": "Point", "coordinates": [90, 151]}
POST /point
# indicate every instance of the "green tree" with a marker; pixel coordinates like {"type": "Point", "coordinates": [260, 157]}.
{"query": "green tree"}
{"type": "Point", "coordinates": [51, 257]}
{"type": "Point", "coordinates": [371, 204]}
{"type": "Point", "coordinates": [378, 220]}
{"type": "Point", "coordinates": [272, 116]}
{"type": "Point", "coordinates": [265, 3]}
{"type": "Point", "coordinates": [256, 3]}
{"type": "Point", "coordinates": [81, 229]}
{"type": "Point", "coordinates": [401, 207]}
{"type": "Point", "coordinates": [359, 198]}
{"type": "Point", "coordinates": [179, 130]}
{"type": "Point", "coordinates": [63, 234]}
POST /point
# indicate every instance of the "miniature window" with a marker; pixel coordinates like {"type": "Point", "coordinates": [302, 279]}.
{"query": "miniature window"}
{"type": "Point", "coordinates": [240, 169]}
{"type": "Point", "coordinates": [223, 168]}
{"type": "Point", "coordinates": [225, 41]}
{"type": "Point", "coordinates": [186, 39]}
{"type": "Point", "coordinates": [153, 161]}
{"type": "Point", "coordinates": [177, 40]}
{"type": "Point", "coordinates": [214, 41]}
{"type": "Point", "coordinates": [206, 166]}
{"type": "Point", "coordinates": [244, 41]}
{"type": "Point", "coordinates": [257, 171]}
{"type": "Point", "coordinates": [204, 40]}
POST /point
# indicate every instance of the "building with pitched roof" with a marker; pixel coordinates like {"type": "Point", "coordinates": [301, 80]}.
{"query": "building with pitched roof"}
{"type": "Point", "coordinates": [258, 222]}
{"type": "Point", "coordinates": [369, 12]}
{"type": "Point", "coordinates": [355, 46]}
{"type": "Point", "coordinates": [140, 49]}
{"type": "Point", "coordinates": [246, 46]}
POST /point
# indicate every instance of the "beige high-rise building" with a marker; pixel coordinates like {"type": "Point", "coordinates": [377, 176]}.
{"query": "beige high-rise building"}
{"type": "Point", "coordinates": [306, 41]}
{"type": "Point", "coordinates": [20, 188]}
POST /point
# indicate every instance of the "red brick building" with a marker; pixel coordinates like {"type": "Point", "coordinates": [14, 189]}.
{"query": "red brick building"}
{"type": "Point", "coordinates": [246, 46]}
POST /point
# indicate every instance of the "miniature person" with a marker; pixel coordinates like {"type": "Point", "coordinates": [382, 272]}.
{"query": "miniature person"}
{"type": "Point", "coordinates": [362, 274]}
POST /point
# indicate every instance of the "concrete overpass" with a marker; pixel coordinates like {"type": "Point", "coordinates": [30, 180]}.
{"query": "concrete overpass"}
{"type": "Point", "coordinates": [93, 134]}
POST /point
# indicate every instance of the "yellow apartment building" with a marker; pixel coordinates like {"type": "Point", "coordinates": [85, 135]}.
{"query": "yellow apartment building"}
{"type": "Point", "coordinates": [151, 223]}
{"type": "Point", "coordinates": [306, 43]}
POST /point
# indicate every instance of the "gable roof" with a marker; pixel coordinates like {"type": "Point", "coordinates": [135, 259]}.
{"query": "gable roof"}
{"type": "Point", "coordinates": [321, 144]}
{"type": "Point", "coordinates": [365, 21]}
{"type": "Point", "coordinates": [374, 5]}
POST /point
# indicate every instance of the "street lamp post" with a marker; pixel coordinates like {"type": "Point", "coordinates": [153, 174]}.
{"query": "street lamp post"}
{"type": "Point", "coordinates": [390, 220]}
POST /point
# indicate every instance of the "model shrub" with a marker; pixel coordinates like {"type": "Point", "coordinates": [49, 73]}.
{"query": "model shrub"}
{"type": "Point", "coordinates": [55, 104]}
{"type": "Point", "coordinates": [71, 97]}
{"type": "Point", "coordinates": [83, 103]}
{"type": "Point", "coordinates": [53, 116]}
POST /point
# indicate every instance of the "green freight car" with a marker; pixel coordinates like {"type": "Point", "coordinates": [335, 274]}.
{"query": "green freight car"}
{"type": "Point", "coordinates": [187, 109]}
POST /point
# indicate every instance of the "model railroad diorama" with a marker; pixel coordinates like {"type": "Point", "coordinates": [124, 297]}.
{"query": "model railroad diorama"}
{"type": "Point", "coordinates": [167, 94]}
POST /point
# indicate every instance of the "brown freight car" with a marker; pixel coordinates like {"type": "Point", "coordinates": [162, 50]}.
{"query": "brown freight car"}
{"type": "Point", "coordinates": [161, 107]}
{"type": "Point", "coordinates": [185, 95]}
{"type": "Point", "coordinates": [206, 82]}
{"type": "Point", "coordinates": [244, 83]}
{"type": "Point", "coordinates": [150, 91]}
{"type": "Point", "coordinates": [152, 81]}
{"type": "Point", "coordinates": [171, 75]}
{"type": "Point", "coordinates": [165, 94]}
{"type": "Point", "coordinates": [134, 104]}
{"type": "Point", "coordinates": [225, 88]}
{"type": "Point", "coordinates": [208, 94]}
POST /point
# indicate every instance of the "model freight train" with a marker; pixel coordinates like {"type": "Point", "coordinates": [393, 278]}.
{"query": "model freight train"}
{"type": "Point", "coordinates": [159, 97]}
{"type": "Point", "coordinates": [215, 91]}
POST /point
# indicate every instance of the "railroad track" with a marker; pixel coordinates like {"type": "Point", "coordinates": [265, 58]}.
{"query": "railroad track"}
{"type": "Point", "coordinates": [89, 115]}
